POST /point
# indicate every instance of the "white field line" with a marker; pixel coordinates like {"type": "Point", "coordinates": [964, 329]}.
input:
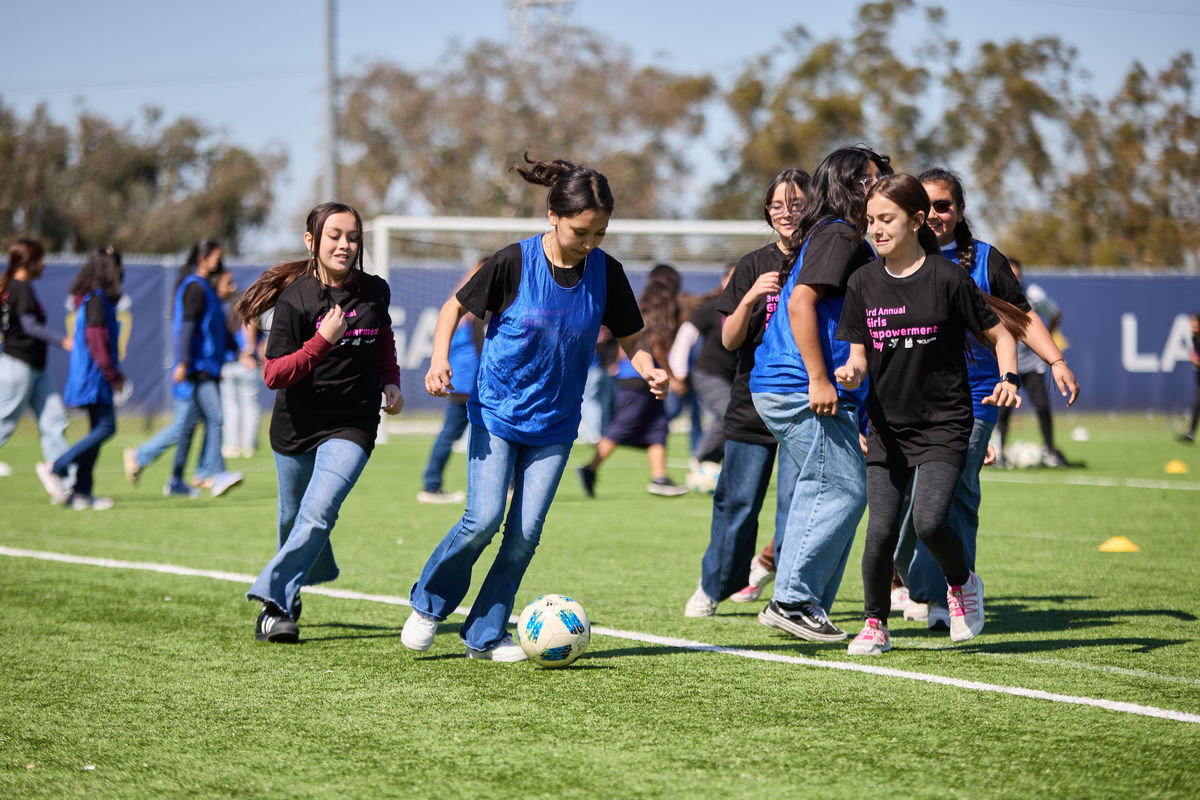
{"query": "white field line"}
{"type": "Point", "coordinates": [664, 641]}
{"type": "Point", "coordinates": [1083, 480]}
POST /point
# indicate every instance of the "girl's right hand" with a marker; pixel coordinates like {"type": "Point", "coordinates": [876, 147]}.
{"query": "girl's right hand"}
{"type": "Point", "coordinates": [848, 376]}
{"type": "Point", "coordinates": [333, 325]}
{"type": "Point", "coordinates": [437, 379]}
{"type": "Point", "coordinates": [767, 283]}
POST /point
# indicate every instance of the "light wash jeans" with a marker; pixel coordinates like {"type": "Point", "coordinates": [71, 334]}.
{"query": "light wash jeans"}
{"type": "Point", "coordinates": [206, 406]}
{"type": "Point", "coordinates": [240, 406]}
{"type": "Point", "coordinates": [492, 463]}
{"type": "Point", "coordinates": [21, 385]}
{"type": "Point", "coordinates": [741, 489]}
{"type": "Point", "coordinates": [916, 565]}
{"type": "Point", "coordinates": [829, 499]}
{"type": "Point", "coordinates": [312, 488]}
{"type": "Point", "coordinates": [185, 417]}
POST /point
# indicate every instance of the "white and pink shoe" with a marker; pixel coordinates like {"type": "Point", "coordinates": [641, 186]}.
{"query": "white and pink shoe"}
{"type": "Point", "coordinates": [966, 609]}
{"type": "Point", "coordinates": [872, 640]}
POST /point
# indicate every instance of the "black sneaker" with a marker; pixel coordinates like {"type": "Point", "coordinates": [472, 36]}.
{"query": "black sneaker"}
{"type": "Point", "coordinates": [806, 620]}
{"type": "Point", "coordinates": [587, 476]}
{"type": "Point", "coordinates": [273, 626]}
{"type": "Point", "coordinates": [665, 487]}
{"type": "Point", "coordinates": [296, 608]}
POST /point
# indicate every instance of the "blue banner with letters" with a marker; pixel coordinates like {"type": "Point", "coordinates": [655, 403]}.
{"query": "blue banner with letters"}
{"type": "Point", "coordinates": [1129, 340]}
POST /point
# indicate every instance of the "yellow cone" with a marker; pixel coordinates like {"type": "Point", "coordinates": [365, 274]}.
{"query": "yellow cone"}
{"type": "Point", "coordinates": [1119, 544]}
{"type": "Point", "coordinates": [1176, 466]}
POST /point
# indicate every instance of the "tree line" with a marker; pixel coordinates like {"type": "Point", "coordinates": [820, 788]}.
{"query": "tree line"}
{"type": "Point", "coordinates": [1061, 175]}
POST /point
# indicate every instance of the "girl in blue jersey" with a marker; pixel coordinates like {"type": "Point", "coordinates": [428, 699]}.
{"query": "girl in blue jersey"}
{"type": "Point", "coordinates": [906, 321]}
{"type": "Point", "coordinates": [93, 374]}
{"type": "Point", "coordinates": [728, 568]}
{"type": "Point", "coordinates": [24, 379]}
{"type": "Point", "coordinates": [330, 356]}
{"type": "Point", "coordinates": [793, 390]}
{"type": "Point", "coordinates": [548, 296]}
{"type": "Point", "coordinates": [991, 272]}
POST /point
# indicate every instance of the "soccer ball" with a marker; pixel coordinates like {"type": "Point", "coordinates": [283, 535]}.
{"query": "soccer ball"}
{"type": "Point", "coordinates": [553, 630]}
{"type": "Point", "coordinates": [1023, 455]}
{"type": "Point", "coordinates": [703, 478]}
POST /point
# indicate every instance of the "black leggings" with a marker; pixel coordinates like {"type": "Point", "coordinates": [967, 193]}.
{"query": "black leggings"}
{"type": "Point", "coordinates": [933, 485]}
{"type": "Point", "coordinates": [1034, 384]}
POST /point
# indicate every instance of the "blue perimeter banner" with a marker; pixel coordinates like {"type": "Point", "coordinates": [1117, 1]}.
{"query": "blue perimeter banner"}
{"type": "Point", "coordinates": [1128, 334]}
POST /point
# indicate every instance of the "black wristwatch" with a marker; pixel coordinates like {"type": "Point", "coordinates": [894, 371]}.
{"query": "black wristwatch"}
{"type": "Point", "coordinates": [1011, 377]}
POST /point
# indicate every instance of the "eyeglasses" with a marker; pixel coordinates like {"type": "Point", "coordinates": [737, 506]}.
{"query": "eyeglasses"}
{"type": "Point", "coordinates": [866, 182]}
{"type": "Point", "coordinates": [779, 208]}
{"type": "Point", "coordinates": [942, 206]}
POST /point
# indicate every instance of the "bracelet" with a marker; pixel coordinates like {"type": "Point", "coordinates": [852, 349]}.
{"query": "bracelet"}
{"type": "Point", "coordinates": [1052, 363]}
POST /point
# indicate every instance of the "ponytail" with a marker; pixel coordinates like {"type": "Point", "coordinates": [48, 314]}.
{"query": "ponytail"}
{"type": "Point", "coordinates": [23, 254]}
{"type": "Point", "coordinates": [573, 190]}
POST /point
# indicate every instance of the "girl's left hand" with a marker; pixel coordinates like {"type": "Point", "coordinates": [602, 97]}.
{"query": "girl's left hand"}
{"type": "Point", "coordinates": [990, 457]}
{"type": "Point", "coordinates": [1064, 378]}
{"type": "Point", "coordinates": [393, 401]}
{"type": "Point", "coordinates": [1003, 396]}
{"type": "Point", "coordinates": [659, 382]}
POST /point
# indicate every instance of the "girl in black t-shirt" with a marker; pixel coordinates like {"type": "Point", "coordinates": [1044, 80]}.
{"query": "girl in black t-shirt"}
{"type": "Point", "coordinates": [330, 354]}
{"type": "Point", "coordinates": [24, 380]}
{"type": "Point", "coordinates": [907, 317]}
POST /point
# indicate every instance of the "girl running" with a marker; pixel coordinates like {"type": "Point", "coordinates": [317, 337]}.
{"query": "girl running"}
{"type": "Point", "coordinates": [906, 318]}
{"type": "Point", "coordinates": [750, 298]}
{"type": "Point", "coordinates": [548, 296]}
{"type": "Point", "coordinates": [24, 381]}
{"type": "Point", "coordinates": [93, 374]}
{"type": "Point", "coordinates": [330, 354]}
{"type": "Point", "coordinates": [793, 390]}
{"type": "Point", "coordinates": [992, 274]}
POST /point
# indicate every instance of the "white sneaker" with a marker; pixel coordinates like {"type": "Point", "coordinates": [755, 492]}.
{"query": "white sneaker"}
{"type": "Point", "coordinates": [966, 609]}
{"type": "Point", "coordinates": [84, 502]}
{"type": "Point", "coordinates": [872, 640]}
{"type": "Point", "coordinates": [506, 651]}
{"type": "Point", "coordinates": [760, 576]}
{"type": "Point", "coordinates": [938, 618]}
{"type": "Point", "coordinates": [916, 612]}
{"type": "Point", "coordinates": [900, 598]}
{"type": "Point", "coordinates": [224, 482]}
{"type": "Point", "coordinates": [5, 470]}
{"type": "Point", "coordinates": [700, 604]}
{"type": "Point", "coordinates": [52, 483]}
{"type": "Point", "coordinates": [439, 497]}
{"type": "Point", "coordinates": [418, 632]}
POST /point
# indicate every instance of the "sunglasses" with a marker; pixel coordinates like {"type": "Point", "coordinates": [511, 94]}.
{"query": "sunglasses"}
{"type": "Point", "coordinates": [942, 206]}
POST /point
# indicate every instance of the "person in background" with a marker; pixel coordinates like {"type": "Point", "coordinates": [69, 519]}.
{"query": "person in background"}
{"type": "Point", "coordinates": [241, 382]}
{"type": "Point", "coordinates": [1032, 370]}
{"type": "Point", "coordinates": [93, 375]}
{"type": "Point", "coordinates": [24, 379]}
{"type": "Point", "coordinates": [331, 356]}
{"type": "Point", "coordinates": [600, 391]}
{"type": "Point", "coordinates": [1189, 436]}
{"type": "Point", "coordinates": [465, 345]}
{"type": "Point", "coordinates": [640, 420]}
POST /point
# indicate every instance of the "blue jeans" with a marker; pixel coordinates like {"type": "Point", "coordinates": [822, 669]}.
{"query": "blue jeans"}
{"type": "Point", "coordinates": [83, 455]}
{"type": "Point", "coordinates": [21, 385]}
{"type": "Point", "coordinates": [829, 500]}
{"type": "Point", "coordinates": [185, 416]}
{"type": "Point", "coordinates": [916, 565]}
{"type": "Point", "coordinates": [492, 463]}
{"type": "Point", "coordinates": [453, 425]}
{"type": "Point", "coordinates": [737, 502]}
{"type": "Point", "coordinates": [312, 488]}
{"type": "Point", "coordinates": [599, 395]}
{"type": "Point", "coordinates": [206, 405]}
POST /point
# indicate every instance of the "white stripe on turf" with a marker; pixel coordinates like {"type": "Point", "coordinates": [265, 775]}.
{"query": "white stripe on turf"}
{"type": "Point", "coordinates": [1046, 479]}
{"type": "Point", "coordinates": [665, 641]}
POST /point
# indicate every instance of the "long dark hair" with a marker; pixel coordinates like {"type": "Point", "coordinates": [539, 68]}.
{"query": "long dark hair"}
{"type": "Point", "coordinates": [201, 249]}
{"type": "Point", "coordinates": [262, 294]}
{"type": "Point", "coordinates": [836, 194]}
{"type": "Point", "coordinates": [102, 270]}
{"type": "Point", "coordinates": [659, 304]}
{"type": "Point", "coordinates": [908, 193]}
{"type": "Point", "coordinates": [795, 179]}
{"type": "Point", "coordinates": [573, 189]}
{"type": "Point", "coordinates": [23, 254]}
{"type": "Point", "coordinates": [964, 240]}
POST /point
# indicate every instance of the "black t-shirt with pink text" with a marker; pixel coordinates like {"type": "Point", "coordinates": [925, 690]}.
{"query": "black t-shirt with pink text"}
{"type": "Point", "coordinates": [914, 329]}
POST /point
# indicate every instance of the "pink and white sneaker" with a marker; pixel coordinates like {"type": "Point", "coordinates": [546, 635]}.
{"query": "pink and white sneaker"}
{"type": "Point", "coordinates": [900, 599]}
{"type": "Point", "coordinates": [966, 609]}
{"type": "Point", "coordinates": [760, 576]}
{"type": "Point", "coordinates": [872, 640]}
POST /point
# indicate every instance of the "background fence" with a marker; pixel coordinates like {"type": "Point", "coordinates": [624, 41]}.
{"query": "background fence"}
{"type": "Point", "coordinates": [1128, 334]}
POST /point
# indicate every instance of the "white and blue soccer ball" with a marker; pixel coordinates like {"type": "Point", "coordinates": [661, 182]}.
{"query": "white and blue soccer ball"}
{"type": "Point", "coordinates": [553, 630]}
{"type": "Point", "coordinates": [1023, 455]}
{"type": "Point", "coordinates": [703, 477]}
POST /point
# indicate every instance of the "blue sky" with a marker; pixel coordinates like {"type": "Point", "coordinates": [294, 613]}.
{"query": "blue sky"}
{"type": "Point", "coordinates": [253, 68]}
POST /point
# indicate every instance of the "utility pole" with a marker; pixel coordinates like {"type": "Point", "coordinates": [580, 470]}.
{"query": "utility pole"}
{"type": "Point", "coordinates": [330, 184]}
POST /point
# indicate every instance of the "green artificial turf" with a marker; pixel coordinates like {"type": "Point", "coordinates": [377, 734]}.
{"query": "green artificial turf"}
{"type": "Point", "coordinates": [129, 683]}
